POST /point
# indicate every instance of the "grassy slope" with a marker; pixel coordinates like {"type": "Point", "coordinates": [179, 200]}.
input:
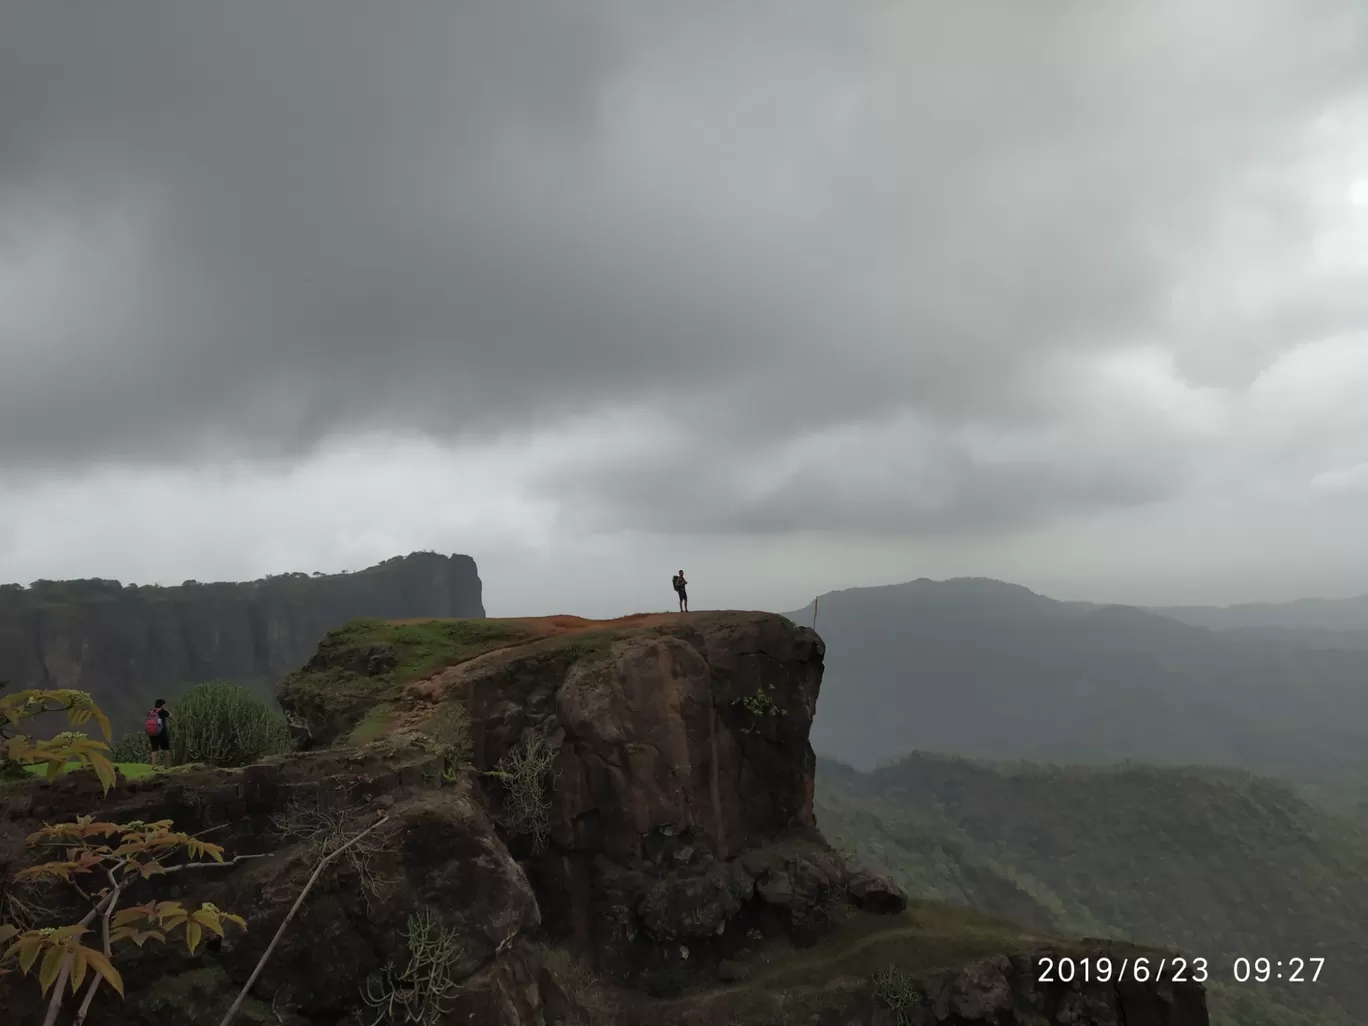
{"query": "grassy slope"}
{"type": "Point", "coordinates": [357, 700]}
{"type": "Point", "coordinates": [928, 936]}
{"type": "Point", "coordinates": [1213, 864]}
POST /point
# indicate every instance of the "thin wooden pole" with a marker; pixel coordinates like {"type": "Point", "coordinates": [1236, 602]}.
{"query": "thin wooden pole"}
{"type": "Point", "coordinates": [266, 955]}
{"type": "Point", "coordinates": [814, 612]}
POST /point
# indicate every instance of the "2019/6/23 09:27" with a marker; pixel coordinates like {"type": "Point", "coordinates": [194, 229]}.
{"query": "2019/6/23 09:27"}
{"type": "Point", "coordinates": [1174, 969]}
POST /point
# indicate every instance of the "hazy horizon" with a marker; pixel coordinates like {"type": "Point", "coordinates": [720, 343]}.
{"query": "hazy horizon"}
{"type": "Point", "coordinates": [1059, 591]}
{"type": "Point", "coordinates": [796, 295]}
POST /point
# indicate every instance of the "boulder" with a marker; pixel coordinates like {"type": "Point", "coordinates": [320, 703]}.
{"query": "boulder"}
{"type": "Point", "coordinates": [877, 893]}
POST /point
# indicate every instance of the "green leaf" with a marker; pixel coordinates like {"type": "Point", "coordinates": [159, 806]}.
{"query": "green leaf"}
{"type": "Point", "coordinates": [209, 919]}
{"type": "Point", "coordinates": [29, 949]}
{"type": "Point", "coordinates": [78, 966]}
{"type": "Point", "coordinates": [52, 965]}
{"type": "Point", "coordinates": [104, 769]}
{"type": "Point", "coordinates": [103, 721]}
{"type": "Point", "coordinates": [192, 935]}
{"type": "Point", "coordinates": [105, 968]}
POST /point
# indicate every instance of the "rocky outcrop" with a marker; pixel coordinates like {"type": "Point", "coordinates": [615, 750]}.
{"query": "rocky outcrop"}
{"type": "Point", "coordinates": [677, 746]}
{"type": "Point", "coordinates": [128, 644]}
{"type": "Point", "coordinates": [667, 869]}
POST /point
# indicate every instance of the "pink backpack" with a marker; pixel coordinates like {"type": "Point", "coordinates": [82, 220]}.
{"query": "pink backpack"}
{"type": "Point", "coordinates": [154, 723]}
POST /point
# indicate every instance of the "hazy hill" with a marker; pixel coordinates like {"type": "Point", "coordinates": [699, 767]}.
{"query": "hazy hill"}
{"type": "Point", "coordinates": [1346, 615]}
{"type": "Point", "coordinates": [982, 668]}
{"type": "Point", "coordinates": [126, 644]}
{"type": "Point", "coordinates": [1215, 863]}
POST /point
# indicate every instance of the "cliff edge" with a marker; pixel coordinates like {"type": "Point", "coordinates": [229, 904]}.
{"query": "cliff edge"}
{"type": "Point", "coordinates": [603, 822]}
{"type": "Point", "coordinates": [128, 644]}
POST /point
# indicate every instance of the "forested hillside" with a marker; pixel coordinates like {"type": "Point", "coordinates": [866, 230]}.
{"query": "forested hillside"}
{"type": "Point", "coordinates": [1213, 863]}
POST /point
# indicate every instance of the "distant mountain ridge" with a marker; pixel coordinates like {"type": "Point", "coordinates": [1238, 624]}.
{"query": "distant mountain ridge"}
{"type": "Point", "coordinates": [1350, 614]}
{"type": "Point", "coordinates": [1319, 623]}
{"type": "Point", "coordinates": [983, 668]}
{"type": "Point", "coordinates": [128, 644]}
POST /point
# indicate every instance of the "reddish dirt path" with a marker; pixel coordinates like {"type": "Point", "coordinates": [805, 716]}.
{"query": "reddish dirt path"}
{"type": "Point", "coordinates": [564, 623]}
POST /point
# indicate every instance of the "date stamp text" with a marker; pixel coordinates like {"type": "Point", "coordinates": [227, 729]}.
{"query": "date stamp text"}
{"type": "Point", "coordinates": [1175, 969]}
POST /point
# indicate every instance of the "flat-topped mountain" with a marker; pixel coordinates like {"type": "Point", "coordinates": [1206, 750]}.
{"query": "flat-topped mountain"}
{"type": "Point", "coordinates": [129, 644]}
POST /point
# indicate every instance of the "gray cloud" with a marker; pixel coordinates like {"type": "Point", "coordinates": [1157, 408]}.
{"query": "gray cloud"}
{"type": "Point", "coordinates": [238, 230]}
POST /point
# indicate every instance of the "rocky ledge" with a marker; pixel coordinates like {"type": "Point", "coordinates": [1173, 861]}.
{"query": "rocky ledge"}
{"type": "Point", "coordinates": [594, 822]}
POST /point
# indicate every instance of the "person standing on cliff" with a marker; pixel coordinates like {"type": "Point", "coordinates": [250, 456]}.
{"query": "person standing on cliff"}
{"type": "Point", "coordinates": [681, 587]}
{"type": "Point", "coordinates": [159, 731]}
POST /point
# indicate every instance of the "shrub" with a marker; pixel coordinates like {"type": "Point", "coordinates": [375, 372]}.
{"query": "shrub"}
{"type": "Point", "coordinates": [760, 705]}
{"type": "Point", "coordinates": [449, 728]}
{"type": "Point", "coordinates": [325, 831]}
{"type": "Point", "coordinates": [899, 992]}
{"type": "Point", "coordinates": [592, 1002]}
{"type": "Point", "coordinates": [421, 992]}
{"type": "Point", "coordinates": [132, 747]}
{"type": "Point", "coordinates": [526, 774]}
{"type": "Point", "coordinates": [226, 725]}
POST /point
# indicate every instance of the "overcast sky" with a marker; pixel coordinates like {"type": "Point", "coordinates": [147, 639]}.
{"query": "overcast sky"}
{"type": "Point", "coordinates": [795, 295]}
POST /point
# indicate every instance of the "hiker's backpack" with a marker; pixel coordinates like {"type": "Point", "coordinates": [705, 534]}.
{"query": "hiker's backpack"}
{"type": "Point", "coordinates": [675, 581]}
{"type": "Point", "coordinates": [154, 723]}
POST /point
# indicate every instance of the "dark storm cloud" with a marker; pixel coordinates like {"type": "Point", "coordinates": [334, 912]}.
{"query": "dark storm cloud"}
{"type": "Point", "coordinates": [260, 224]}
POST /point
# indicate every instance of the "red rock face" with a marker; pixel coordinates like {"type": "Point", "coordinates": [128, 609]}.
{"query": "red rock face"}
{"type": "Point", "coordinates": [679, 747]}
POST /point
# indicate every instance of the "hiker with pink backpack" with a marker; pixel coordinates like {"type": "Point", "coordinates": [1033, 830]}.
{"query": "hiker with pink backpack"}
{"type": "Point", "coordinates": [158, 732]}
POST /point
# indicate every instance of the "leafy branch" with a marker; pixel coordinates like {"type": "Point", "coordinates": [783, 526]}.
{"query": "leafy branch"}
{"type": "Point", "coordinates": [134, 851]}
{"type": "Point", "coordinates": [117, 855]}
{"type": "Point", "coordinates": [18, 749]}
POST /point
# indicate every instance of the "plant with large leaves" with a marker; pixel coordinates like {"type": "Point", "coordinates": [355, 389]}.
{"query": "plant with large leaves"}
{"type": "Point", "coordinates": [66, 750]}
{"type": "Point", "coordinates": [115, 855]}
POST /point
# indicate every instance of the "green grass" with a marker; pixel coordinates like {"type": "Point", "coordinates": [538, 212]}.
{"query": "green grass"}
{"type": "Point", "coordinates": [927, 936]}
{"type": "Point", "coordinates": [131, 770]}
{"type": "Point", "coordinates": [373, 727]}
{"type": "Point", "coordinates": [428, 645]}
{"type": "Point", "coordinates": [590, 643]}
{"type": "Point", "coordinates": [363, 665]}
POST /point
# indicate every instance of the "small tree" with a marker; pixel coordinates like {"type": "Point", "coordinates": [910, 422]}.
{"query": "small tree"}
{"type": "Point", "coordinates": [116, 855]}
